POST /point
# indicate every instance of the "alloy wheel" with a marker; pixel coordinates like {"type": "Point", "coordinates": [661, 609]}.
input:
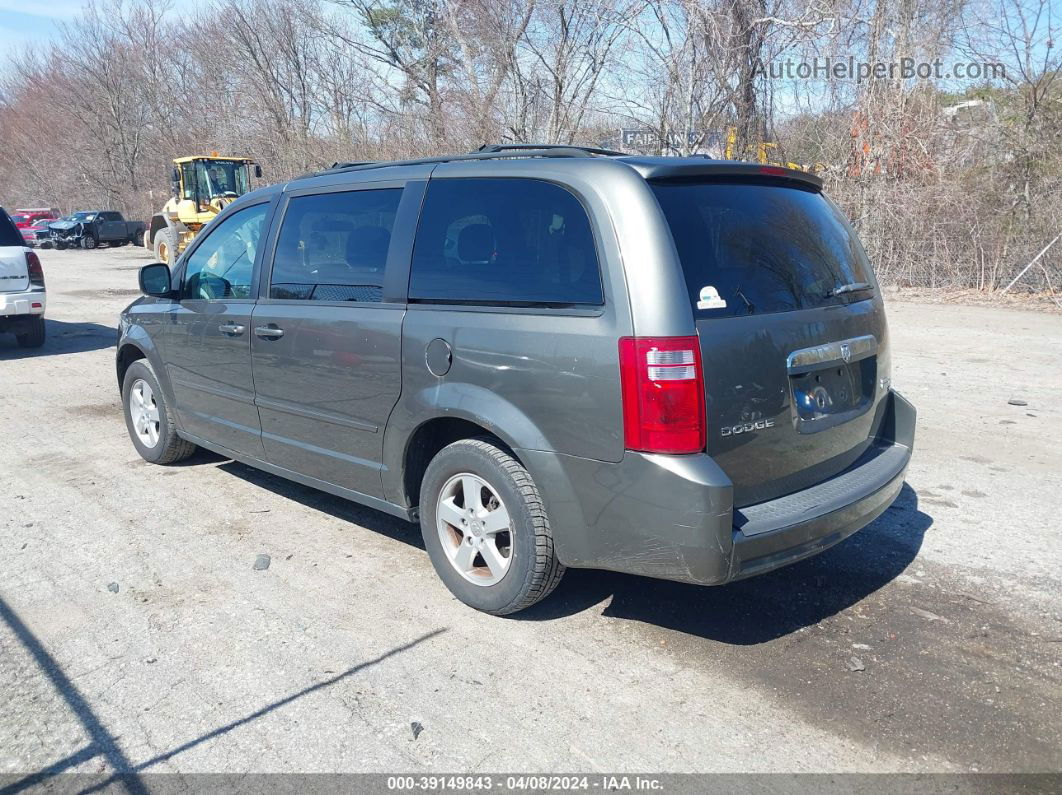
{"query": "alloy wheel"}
{"type": "Point", "coordinates": [475, 529]}
{"type": "Point", "coordinates": [144, 413]}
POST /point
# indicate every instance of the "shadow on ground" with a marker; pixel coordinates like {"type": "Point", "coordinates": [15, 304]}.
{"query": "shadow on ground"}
{"type": "Point", "coordinates": [377, 521]}
{"type": "Point", "coordinates": [61, 337]}
{"type": "Point", "coordinates": [762, 608]}
{"type": "Point", "coordinates": [104, 745]}
{"type": "Point", "coordinates": [744, 613]}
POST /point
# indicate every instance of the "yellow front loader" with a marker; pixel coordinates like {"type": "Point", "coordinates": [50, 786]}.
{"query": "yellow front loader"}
{"type": "Point", "coordinates": [202, 186]}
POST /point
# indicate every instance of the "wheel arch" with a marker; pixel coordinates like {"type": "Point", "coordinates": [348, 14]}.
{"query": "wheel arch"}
{"type": "Point", "coordinates": [451, 406]}
{"type": "Point", "coordinates": [430, 437]}
{"type": "Point", "coordinates": [136, 345]}
{"type": "Point", "coordinates": [157, 222]}
{"type": "Point", "coordinates": [128, 353]}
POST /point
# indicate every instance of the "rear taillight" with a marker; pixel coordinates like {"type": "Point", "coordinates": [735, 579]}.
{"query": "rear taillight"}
{"type": "Point", "coordinates": [663, 394]}
{"type": "Point", "coordinates": [33, 266]}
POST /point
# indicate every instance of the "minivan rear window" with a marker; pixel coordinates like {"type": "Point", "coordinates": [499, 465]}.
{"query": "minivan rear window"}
{"type": "Point", "coordinates": [754, 248]}
{"type": "Point", "coordinates": [504, 241]}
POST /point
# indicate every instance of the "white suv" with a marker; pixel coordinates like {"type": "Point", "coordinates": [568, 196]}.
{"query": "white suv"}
{"type": "Point", "coordinates": [22, 295]}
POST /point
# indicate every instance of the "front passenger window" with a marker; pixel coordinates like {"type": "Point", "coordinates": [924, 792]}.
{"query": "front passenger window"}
{"type": "Point", "coordinates": [223, 264]}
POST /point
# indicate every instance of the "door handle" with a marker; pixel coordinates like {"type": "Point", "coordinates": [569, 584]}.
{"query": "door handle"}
{"type": "Point", "coordinates": [269, 332]}
{"type": "Point", "coordinates": [231, 328]}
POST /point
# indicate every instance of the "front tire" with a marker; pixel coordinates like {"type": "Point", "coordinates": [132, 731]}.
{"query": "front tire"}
{"type": "Point", "coordinates": [166, 246]}
{"type": "Point", "coordinates": [148, 417]}
{"type": "Point", "coordinates": [485, 528]}
{"type": "Point", "coordinates": [34, 337]}
{"type": "Point", "coordinates": [88, 242]}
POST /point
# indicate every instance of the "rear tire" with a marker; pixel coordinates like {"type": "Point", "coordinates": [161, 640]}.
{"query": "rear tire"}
{"type": "Point", "coordinates": [506, 516]}
{"type": "Point", "coordinates": [34, 338]}
{"type": "Point", "coordinates": [149, 419]}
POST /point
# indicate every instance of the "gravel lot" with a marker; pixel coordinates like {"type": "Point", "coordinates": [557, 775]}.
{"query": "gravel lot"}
{"type": "Point", "coordinates": [950, 603]}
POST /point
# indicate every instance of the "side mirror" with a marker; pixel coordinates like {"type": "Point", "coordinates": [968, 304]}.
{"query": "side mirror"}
{"type": "Point", "coordinates": [155, 280]}
{"type": "Point", "coordinates": [257, 171]}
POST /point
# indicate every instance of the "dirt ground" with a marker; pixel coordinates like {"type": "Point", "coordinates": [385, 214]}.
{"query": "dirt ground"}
{"type": "Point", "coordinates": [136, 634]}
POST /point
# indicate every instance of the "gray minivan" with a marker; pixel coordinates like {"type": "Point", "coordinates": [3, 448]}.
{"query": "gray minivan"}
{"type": "Point", "coordinates": [549, 356]}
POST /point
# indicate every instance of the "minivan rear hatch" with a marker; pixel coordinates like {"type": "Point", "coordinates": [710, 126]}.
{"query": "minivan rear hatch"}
{"type": "Point", "coordinates": [13, 274]}
{"type": "Point", "coordinates": [792, 331]}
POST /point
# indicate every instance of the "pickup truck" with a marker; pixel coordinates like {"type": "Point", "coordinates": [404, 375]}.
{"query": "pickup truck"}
{"type": "Point", "coordinates": [91, 228]}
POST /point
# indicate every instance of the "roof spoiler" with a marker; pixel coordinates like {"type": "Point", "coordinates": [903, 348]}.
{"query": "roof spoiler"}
{"type": "Point", "coordinates": [690, 168]}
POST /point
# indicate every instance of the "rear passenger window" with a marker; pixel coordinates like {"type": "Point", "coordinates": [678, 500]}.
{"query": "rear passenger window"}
{"type": "Point", "coordinates": [504, 241]}
{"type": "Point", "coordinates": [333, 246]}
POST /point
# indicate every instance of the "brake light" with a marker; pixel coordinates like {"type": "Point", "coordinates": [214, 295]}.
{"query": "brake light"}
{"type": "Point", "coordinates": [33, 267]}
{"type": "Point", "coordinates": [663, 394]}
{"type": "Point", "coordinates": [774, 171]}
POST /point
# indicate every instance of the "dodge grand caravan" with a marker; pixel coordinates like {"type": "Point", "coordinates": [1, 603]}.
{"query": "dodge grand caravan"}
{"type": "Point", "coordinates": [548, 356]}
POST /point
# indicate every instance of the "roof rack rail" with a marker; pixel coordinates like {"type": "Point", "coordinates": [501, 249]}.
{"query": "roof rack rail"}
{"type": "Point", "coordinates": [593, 150]}
{"type": "Point", "coordinates": [490, 152]}
{"type": "Point", "coordinates": [351, 164]}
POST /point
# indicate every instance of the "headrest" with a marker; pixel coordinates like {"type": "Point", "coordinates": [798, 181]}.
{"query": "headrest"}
{"type": "Point", "coordinates": [476, 243]}
{"type": "Point", "coordinates": [367, 247]}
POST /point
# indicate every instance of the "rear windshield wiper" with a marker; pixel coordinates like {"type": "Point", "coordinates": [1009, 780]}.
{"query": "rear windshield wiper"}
{"type": "Point", "coordinates": [852, 287]}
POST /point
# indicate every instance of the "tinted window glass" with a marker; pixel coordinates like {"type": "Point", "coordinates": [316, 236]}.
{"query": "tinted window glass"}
{"type": "Point", "coordinates": [223, 264]}
{"type": "Point", "coordinates": [9, 234]}
{"type": "Point", "coordinates": [504, 241]}
{"type": "Point", "coordinates": [333, 246]}
{"type": "Point", "coordinates": [755, 248]}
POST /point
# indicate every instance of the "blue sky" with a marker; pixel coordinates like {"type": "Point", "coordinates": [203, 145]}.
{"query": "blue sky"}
{"type": "Point", "coordinates": [26, 22]}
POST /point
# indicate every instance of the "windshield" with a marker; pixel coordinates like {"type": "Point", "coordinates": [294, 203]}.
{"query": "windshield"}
{"type": "Point", "coordinates": [220, 178]}
{"type": "Point", "coordinates": [756, 247]}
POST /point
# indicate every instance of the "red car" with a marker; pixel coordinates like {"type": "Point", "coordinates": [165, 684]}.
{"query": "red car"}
{"type": "Point", "coordinates": [28, 217]}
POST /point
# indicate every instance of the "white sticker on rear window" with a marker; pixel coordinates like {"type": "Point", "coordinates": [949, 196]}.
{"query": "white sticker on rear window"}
{"type": "Point", "coordinates": [710, 299]}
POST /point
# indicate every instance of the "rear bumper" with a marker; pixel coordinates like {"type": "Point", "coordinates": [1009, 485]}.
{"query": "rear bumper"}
{"type": "Point", "coordinates": [672, 517]}
{"type": "Point", "coordinates": [807, 529]}
{"type": "Point", "coordinates": [28, 302]}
